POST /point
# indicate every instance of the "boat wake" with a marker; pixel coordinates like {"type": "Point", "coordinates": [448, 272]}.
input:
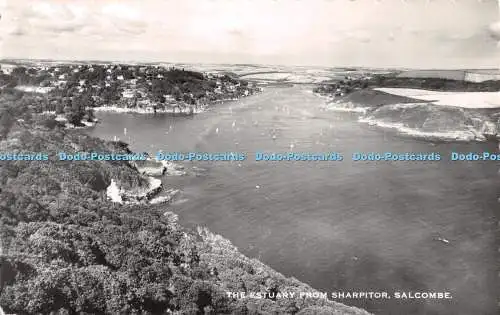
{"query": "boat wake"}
{"type": "Point", "coordinates": [425, 120]}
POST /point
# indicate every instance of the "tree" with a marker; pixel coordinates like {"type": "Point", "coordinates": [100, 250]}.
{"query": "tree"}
{"type": "Point", "coordinates": [28, 117]}
{"type": "Point", "coordinates": [77, 111]}
{"type": "Point", "coordinates": [59, 107]}
{"type": "Point", "coordinates": [177, 94]}
{"type": "Point", "coordinates": [18, 71]}
{"type": "Point", "coordinates": [89, 114]}
{"type": "Point", "coordinates": [7, 120]}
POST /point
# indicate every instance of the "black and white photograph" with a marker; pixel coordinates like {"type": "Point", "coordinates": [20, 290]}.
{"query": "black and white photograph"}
{"type": "Point", "coordinates": [253, 157]}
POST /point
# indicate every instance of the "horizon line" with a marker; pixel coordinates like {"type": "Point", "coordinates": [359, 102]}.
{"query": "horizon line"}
{"type": "Point", "coordinates": [105, 61]}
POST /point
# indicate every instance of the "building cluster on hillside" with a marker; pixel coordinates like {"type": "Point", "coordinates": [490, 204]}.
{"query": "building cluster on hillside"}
{"type": "Point", "coordinates": [80, 87]}
{"type": "Point", "coordinates": [343, 87]}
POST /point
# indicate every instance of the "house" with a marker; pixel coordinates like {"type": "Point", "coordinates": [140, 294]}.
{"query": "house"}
{"type": "Point", "coordinates": [128, 93]}
{"type": "Point", "coordinates": [143, 103]}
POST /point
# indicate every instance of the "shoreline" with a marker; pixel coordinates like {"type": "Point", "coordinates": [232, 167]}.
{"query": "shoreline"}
{"type": "Point", "coordinates": [186, 110]}
{"type": "Point", "coordinates": [217, 250]}
{"type": "Point", "coordinates": [377, 108]}
{"type": "Point", "coordinates": [123, 110]}
{"type": "Point", "coordinates": [221, 249]}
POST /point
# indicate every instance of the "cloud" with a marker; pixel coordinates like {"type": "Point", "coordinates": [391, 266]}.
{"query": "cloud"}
{"type": "Point", "coordinates": [121, 11]}
{"type": "Point", "coordinates": [339, 31]}
{"type": "Point", "coordinates": [494, 30]}
{"type": "Point", "coordinates": [124, 18]}
{"type": "Point", "coordinates": [17, 31]}
{"type": "Point", "coordinates": [44, 18]}
{"type": "Point", "coordinates": [236, 33]}
{"type": "Point", "coordinates": [45, 10]}
{"type": "Point", "coordinates": [132, 28]}
{"type": "Point", "coordinates": [360, 35]}
{"type": "Point", "coordinates": [79, 18]}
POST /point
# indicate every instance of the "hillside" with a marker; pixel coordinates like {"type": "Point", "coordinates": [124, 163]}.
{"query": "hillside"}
{"type": "Point", "coordinates": [66, 249]}
{"type": "Point", "coordinates": [349, 85]}
{"type": "Point", "coordinates": [72, 91]}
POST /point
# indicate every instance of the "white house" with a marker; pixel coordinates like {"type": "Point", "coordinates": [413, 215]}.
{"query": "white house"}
{"type": "Point", "coordinates": [128, 93]}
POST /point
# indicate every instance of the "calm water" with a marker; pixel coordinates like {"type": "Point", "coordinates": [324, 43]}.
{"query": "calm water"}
{"type": "Point", "coordinates": [336, 225]}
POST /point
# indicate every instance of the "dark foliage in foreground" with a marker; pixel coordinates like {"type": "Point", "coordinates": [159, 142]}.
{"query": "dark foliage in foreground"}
{"type": "Point", "coordinates": [67, 250]}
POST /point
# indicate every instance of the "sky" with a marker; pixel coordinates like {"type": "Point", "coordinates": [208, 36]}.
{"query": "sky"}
{"type": "Point", "coordinates": [371, 33]}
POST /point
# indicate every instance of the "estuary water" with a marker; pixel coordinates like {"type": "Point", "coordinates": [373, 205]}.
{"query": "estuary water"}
{"type": "Point", "coordinates": [338, 226]}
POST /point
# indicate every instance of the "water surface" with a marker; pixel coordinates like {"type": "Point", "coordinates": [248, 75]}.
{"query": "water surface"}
{"type": "Point", "coordinates": [338, 226]}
